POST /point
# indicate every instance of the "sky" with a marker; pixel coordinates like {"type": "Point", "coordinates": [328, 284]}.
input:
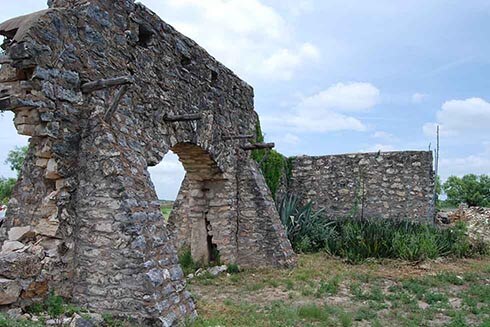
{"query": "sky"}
{"type": "Point", "coordinates": [341, 76]}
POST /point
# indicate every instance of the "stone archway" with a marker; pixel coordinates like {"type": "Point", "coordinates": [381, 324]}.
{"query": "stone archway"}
{"type": "Point", "coordinates": [105, 89]}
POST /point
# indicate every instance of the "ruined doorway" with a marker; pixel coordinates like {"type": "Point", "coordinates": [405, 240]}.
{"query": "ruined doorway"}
{"type": "Point", "coordinates": [193, 201]}
{"type": "Point", "coordinates": [167, 178]}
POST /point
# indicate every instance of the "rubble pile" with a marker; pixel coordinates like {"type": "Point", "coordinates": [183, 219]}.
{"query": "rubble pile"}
{"type": "Point", "coordinates": [476, 218]}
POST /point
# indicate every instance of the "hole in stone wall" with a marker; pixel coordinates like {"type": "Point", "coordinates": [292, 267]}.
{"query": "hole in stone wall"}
{"type": "Point", "coordinates": [167, 178]}
{"type": "Point", "coordinates": [185, 61]}
{"type": "Point", "coordinates": [145, 36]}
{"type": "Point", "coordinates": [25, 74]}
{"type": "Point", "coordinates": [196, 210]}
{"type": "Point", "coordinates": [214, 77]}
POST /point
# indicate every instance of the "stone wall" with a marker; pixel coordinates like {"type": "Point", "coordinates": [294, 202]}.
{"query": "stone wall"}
{"type": "Point", "coordinates": [85, 215]}
{"type": "Point", "coordinates": [390, 185]}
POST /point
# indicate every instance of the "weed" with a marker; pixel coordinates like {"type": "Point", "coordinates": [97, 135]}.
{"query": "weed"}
{"type": "Point", "coordinates": [345, 319]}
{"type": "Point", "coordinates": [187, 262]}
{"type": "Point", "coordinates": [435, 298]}
{"type": "Point", "coordinates": [365, 314]}
{"type": "Point", "coordinates": [233, 268]}
{"type": "Point", "coordinates": [312, 312]}
{"type": "Point", "coordinates": [330, 288]}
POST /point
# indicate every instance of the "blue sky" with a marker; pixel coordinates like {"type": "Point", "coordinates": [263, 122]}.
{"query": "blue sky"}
{"type": "Point", "coordinates": [334, 76]}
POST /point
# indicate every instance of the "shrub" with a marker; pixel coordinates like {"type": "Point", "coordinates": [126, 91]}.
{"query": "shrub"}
{"type": "Point", "coordinates": [186, 261]}
{"type": "Point", "coordinates": [272, 164]}
{"type": "Point", "coordinates": [305, 227]}
{"type": "Point", "coordinates": [356, 240]}
{"type": "Point", "coordinates": [233, 268]}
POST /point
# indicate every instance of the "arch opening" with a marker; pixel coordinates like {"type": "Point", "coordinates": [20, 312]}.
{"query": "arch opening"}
{"type": "Point", "coordinates": [194, 210]}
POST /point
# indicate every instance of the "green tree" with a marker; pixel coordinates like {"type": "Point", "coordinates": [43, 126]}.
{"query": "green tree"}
{"type": "Point", "coordinates": [16, 157]}
{"type": "Point", "coordinates": [470, 189]}
{"type": "Point", "coordinates": [6, 188]}
{"type": "Point", "coordinates": [15, 160]}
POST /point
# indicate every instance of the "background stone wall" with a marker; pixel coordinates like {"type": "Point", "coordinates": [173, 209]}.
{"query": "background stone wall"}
{"type": "Point", "coordinates": [391, 185]}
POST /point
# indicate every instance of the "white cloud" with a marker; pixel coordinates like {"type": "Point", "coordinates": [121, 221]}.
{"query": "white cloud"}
{"type": "Point", "coordinates": [284, 62]}
{"type": "Point", "coordinates": [460, 166]}
{"type": "Point", "coordinates": [299, 7]}
{"type": "Point", "coordinates": [418, 98]}
{"type": "Point", "coordinates": [249, 36]}
{"type": "Point", "coordinates": [470, 117]}
{"type": "Point", "coordinates": [383, 135]}
{"type": "Point", "coordinates": [167, 176]}
{"type": "Point", "coordinates": [342, 97]}
{"type": "Point", "coordinates": [329, 110]}
{"type": "Point", "coordinates": [291, 139]}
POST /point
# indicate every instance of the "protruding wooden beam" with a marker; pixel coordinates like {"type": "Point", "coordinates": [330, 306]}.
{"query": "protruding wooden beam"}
{"type": "Point", "coordinates": [186, 117]}
{"type": "Point", "coordinates": [258, 146]}
{"type": "Point", "coordinates": [106, 83]}
{"type": "Point", "coordinates": [238, 137]}
{"type": "Point", "coordinates": [5, 60]}
{"type": "Point", "coordinates": [115, 102]}
{"type": "Point", "coordinates": [5, 103]}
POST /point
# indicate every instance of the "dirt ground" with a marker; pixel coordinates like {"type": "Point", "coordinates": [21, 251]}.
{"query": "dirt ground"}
{"type": "Point", "coordinates": [324, 291]}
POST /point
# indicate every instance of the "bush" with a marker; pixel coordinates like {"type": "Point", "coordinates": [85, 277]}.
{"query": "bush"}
{"type": "Point", "coordinates": [470, 189]}
{"type": "Point", "coordinates": [189, 266]}
{"type": "Point", "coordinates": [272, 164]}
{"type": "Point", "coordinates": [233, 268]}
{"type": "Point", "coordinates": [305, 227]}
{"type": "Point", "coordinates": [6, 188]}
{"type": "Point", "coordinates": [356, 240]}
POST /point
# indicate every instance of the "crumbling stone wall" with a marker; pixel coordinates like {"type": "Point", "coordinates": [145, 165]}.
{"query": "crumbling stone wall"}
{"type": "Point", "coordinates": [105, 89]}
{"type": "Point", "coordinates": [390, 185]}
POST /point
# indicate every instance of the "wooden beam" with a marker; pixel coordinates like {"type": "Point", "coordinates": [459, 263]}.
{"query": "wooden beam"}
{"type": "Point", "coordinates": [5, 60]}
{"type": "Point", "coordinates": [5, 103]}
{"type": "Point", "coordinates": [238, 137]}
{"type": "Point", "coordinates": [258, 146]}
{"type": "Point", "coordinates": [106, 83]}
{"type": "Point", "coordinates": [115, 102]}
{"type": "Point", "coordinates": [186, 117]}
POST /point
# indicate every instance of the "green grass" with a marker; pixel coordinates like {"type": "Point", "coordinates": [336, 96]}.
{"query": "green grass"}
{"type": "Point", "coordinates": [323, 291]}
{"type": "Point", "coordinates": [166, 210]}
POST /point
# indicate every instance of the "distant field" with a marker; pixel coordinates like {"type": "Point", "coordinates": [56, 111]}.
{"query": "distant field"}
{"type": "Point", "coordinates": [166, 207]}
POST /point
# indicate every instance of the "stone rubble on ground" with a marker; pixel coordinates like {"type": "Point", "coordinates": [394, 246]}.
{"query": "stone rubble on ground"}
{"type": "Point", "coordinates": [477, 220]}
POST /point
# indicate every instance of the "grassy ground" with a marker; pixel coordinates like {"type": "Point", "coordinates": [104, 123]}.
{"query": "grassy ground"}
{"type": "Point", "coordinates": [323, 291]}
{"type": "Point", "coordinates": [166, 207]}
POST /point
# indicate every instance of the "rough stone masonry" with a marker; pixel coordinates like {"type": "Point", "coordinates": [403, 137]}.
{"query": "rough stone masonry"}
{"type": "Point", "coordinates": [388, 185]}
{"type": "Point", "coordinates": [105, 89]}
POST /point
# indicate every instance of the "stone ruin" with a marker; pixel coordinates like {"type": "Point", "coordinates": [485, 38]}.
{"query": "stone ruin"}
{"type": "Point", "coordinates": [386, 185]}
{"type": "Point", "coordinates": [105, 89]}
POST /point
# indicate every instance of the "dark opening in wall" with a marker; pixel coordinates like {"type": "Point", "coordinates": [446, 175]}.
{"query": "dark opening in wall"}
{"type": "Point", "coordinates": [185, 61]}
{"type": "Point", "coordinates": [212, 248]}
{"type": "Point", "coordinates": [214, 77]}
{"type": "Point", "coordinates": [145, 36]}
{"type": "Point", "coordinates": [25, 74]}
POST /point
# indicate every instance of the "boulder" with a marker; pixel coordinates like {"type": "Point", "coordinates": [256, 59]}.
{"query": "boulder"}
{"type": "Point", "coordinates": [19, 265]}
{"type": "Point", "coordinates": [20, 233]}
{"type": "Point", "coordinates": [11, 246]}
{"type": "Point", "coordinates": [9, 291]}
{"type": "Point", "coordinates": [215, 271]}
